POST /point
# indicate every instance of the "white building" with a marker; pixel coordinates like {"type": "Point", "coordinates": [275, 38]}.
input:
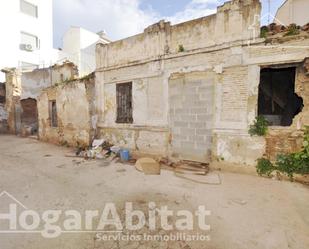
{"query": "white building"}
{"type": "Point", "coordinates": [294, 11]}
{"type": "Point", "coordinates": [26, 34]}
{"type": "Point", "coordinates": [79, 47]}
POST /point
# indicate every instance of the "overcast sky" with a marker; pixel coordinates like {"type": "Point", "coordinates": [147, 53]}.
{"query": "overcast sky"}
{"type": "Point", "coordinates": [122, 18]}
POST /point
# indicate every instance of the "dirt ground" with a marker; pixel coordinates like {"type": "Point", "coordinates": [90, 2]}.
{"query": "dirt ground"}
{"type": "Point", "coordinates": [247, 212]}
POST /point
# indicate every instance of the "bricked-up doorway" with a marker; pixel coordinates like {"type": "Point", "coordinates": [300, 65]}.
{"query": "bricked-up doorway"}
{"type": "Point", "coordinates": [29, 114]}
{"type": "Point", "coordinates": [277, 101]}
{"type": "Point", "coordinates": [191, 108]}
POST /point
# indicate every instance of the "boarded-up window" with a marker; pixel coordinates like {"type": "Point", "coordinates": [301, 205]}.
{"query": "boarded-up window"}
{"type": "Point", "coordinates": [53, 113]}
{"type": "Point", "coordinates": [124, 103]}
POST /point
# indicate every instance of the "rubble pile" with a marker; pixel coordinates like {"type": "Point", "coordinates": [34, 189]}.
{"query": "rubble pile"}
{"type": "Point", "coordinates": [278, 29]}
{"type": "Point", "coordinates": [99, 149]}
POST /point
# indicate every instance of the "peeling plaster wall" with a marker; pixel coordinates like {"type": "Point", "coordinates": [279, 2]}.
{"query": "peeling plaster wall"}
{"type": "Point", "coordinates": [234, 21]}
{"type": "Point", "coordinates": [3, 113]}
{"type": "Point", "coordinates": [32, 83]}
{"type": "Point", "coordinates": [29, 85]}
{"type": "Point", "coordinates": [3, 119]}
{"type": "Point", "coordinates": [213, 49]}
{"type": "Point", "coordinates": [231, 65]}
{"type": "Point", "coordinates": [286, 51]}
{"type": "Point", "coordinates": [75, 111]}
{"type": "Point", "coordinates": [12, 106]}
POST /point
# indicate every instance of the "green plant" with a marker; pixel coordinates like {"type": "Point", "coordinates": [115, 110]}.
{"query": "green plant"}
{"type": "Point", "coordinates": [259, 127]}
{"type": "Point", "coordinates": [264, 32]}
{"type": "Point", "coordinates": [181, 48]}
{"type": "Point", "coordinates": [293, 29]}
{"type": "Point", "coordinates": [290, 164]}
{"type": "Point", "coordinates": [264, 167]}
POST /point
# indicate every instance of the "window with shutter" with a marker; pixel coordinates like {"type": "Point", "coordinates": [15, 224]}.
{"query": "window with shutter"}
{"type": "Point", "coordinates": [124, 103]}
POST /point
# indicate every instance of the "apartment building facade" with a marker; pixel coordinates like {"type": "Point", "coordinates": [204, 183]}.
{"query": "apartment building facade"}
{"type": "Point", "coordinates": [26, 34]}
{"type": "Point", "coordinates": [294, 11]}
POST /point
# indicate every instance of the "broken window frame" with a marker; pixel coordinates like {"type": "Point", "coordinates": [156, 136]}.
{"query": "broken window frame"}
{"type": "Point", "coordinates": [53, 117]}
{"type": "Point", "coordinates": [124, 101]}
{"type": "Point", "coordinates": [293, 66]}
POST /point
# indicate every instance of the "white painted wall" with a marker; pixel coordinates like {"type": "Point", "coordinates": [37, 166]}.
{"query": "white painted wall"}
{"type": "Point", "coordinates": [294, 11]}
{"type": "Point", "coordinates": [79, 47]}
{"type": "Point", "coordinates": [13, 22]}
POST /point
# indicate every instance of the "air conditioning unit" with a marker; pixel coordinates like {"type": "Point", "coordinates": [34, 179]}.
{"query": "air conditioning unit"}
{"type": "Point", "coordinates": [26, 47]}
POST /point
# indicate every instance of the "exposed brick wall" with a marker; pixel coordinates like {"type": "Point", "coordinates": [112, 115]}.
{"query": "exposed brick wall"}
{"type": "Point", "coordinates": [280, 141]}
{"type": "Point", "coordinates": [234, 94]}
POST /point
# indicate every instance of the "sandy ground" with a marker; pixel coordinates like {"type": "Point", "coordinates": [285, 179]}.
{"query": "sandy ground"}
{"type": "Point", "coordinates": [246, 211]}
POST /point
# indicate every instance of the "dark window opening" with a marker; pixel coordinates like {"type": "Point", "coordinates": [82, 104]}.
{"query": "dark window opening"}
{"type": "Point", "coordinates": [29, 114]}
{"type": "Point", "coordinates": [53, 113]}
{"type": "Point", "coordinates": [2, 93]}
{"type": "Point", "coordinates": [278, 102]}
{"type": "Point", "coordinates": [124, 103]}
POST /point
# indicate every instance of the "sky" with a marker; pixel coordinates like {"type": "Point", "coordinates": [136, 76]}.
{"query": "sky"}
{"type": "Point", "coordinates": [123, 18]}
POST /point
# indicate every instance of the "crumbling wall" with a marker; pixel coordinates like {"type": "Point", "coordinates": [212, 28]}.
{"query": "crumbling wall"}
{"type": "Point", "coordinates": [220, 60]}
{"type": "Point", "coordinates": [29, 116]}
{"type": "Point", "coordinates": [207, 54]}
{"type": "Point", "coordinates": [3, 113]}
{"type": "Point", "coordinates": [22, 86]}
{"type": "Point", "coordinates": [234, 21]}
{"type": "Point", "coordinates": [33, 82]}
{"type": "Point", "coordinates": [63, 72]}
{"type": "Point", "coordinates": [2, 93]}
{"type": "Point", "coordinates": [286, 52]}
{"type": "Point", "coordinates": [12, 95]}
{"type": "Point", "coordinates": [148, 107]}
{"type": "Point", "coordinates": [75, 110]}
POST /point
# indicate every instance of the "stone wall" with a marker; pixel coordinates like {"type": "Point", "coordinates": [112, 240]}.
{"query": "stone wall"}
{"type": "Point", "coordinates": [75, 113]}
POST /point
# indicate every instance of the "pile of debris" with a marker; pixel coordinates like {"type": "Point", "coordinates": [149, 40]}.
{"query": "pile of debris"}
{"type": "Point", "coordinates": [281, 30]}
{"type": "Point", "coordinates": [99, 149]}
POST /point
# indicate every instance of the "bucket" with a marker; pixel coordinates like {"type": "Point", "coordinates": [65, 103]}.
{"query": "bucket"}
{"type": "Point", "coordinates": [125, 155]}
